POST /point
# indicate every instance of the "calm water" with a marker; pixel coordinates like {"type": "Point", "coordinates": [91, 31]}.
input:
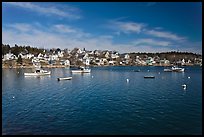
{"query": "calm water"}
{"type": "Point", "coordinates": [103, 102]}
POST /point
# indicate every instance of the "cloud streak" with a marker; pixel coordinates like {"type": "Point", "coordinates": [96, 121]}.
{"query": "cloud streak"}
{"type": "Point", "coordinates": [69, 40]}
{"type": "Point", "coordinates": [65, 36]}
{"type": "Point", "coordinates": [71, 12]}
{"type": "Point", "coordinates": [126, 27]}
{"type": "Point", "coordinates": [151, 42]}
{"type": "Point", "coordinates": [163, 34]}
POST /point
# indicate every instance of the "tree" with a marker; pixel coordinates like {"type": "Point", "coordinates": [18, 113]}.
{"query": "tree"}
{"type": "Point", "coordinates": [19, 60]}
{"type": "Point", "coordinates": [5, 49]}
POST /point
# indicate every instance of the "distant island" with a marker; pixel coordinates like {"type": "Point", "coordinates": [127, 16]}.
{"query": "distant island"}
{"type": "Point", "coordinates": [28, 57]}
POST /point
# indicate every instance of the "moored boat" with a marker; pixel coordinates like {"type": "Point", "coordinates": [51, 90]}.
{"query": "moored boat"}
{"type": "Point", "coordinates": [174, 69]}
{"type": "Point", "coordinates": [82, 70]}
{"type": "Point", "coordinates": [66, 78]}
{"type": "Point", "coordinates": [177, 69]}
{"type": "Point", "coordinates": [167, 70]}
{"type": "Point", "coordinates": [38, 72]}
{"type": "Point", "coordinates": [149, 76]}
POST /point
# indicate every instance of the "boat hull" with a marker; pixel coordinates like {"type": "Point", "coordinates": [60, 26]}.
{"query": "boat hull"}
{"type": "Point", "coordinates": [37, 74]}
{"type": "Point", "coordinates": [167, 70]}
{"type": "Point", "coordinates": [178, 70]}
{"type": "Point", "coordinates": [67, 78]}
{"type": "Point", "coordinates": [81, 71]}
{"type": "Point", "coordinates": [149, 76]}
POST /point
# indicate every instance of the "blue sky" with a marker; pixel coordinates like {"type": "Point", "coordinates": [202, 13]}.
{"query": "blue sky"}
{"type": "Point", "coordinates": [120, 26]}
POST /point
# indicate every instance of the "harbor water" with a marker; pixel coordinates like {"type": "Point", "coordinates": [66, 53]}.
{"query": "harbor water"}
{"type": "Point", "coordinates": [103, 102]}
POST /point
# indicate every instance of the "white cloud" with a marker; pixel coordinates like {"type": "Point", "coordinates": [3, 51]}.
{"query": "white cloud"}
{"type": "Point", "coordinates": [54, 39]}
{"type": "Point", "coordinates": [64, 29]}
{"type": "Point", "coordinates": [126, 27]}
{"type": "Point", "coordinates": [50, 40]}
{"type": "Point", "coordinates": [163, 34]}
{"type": "Point", "coordinates": [71, 13]}
{"type": "Point", "coordinates": [151, 42]}
{"type": "Point", "coordinates": [21, 27]}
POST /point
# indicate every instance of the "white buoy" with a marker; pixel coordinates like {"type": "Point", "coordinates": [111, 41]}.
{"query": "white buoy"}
{"type": "Point", "coordinates": [159, 73]}
{"type": "Point", "coordinates": [184, 86]}
{"type": "Point", "coordinates": [148, 70]}
{"type": "Point", "coordinates": [189, 77]}
{"type": "Point", "coordinates": [92, 76]}
{"type": "Point", "coordinates": [127, 80]}
{"type": "Point", "coordinates": [13, 97]}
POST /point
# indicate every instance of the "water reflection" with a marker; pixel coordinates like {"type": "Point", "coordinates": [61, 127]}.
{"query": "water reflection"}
{"type": "Point", "coordinates": [38, 77]}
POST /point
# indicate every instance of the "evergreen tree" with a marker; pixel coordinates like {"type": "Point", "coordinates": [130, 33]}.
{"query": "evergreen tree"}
{"type": "Point", "coordinates": [19, 60]}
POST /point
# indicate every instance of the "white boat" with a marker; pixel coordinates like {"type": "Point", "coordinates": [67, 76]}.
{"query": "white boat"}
{"type": "Point", "coordinates": [167, 70]}
{"type": "Point", "coordinates": [174, 69]}
{"type": "Point", "coordinates": [82, 70]}
{"type": "Point", "coordinates": [149, 76]}
{"type": "Point", "coordinates": [38, 72]}
{"type": "Point", "coordinates": [66, 78]}
{"type": "Point", "coordinates": [177, 69]}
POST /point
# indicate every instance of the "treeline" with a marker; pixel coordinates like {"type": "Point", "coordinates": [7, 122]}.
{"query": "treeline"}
{"type": "Point", "coordinates": [171, 56]}
{"type": "Point", "coordinates": [20, 49]}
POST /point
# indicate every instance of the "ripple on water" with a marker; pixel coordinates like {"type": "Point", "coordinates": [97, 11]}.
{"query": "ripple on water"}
{"type": "Point", "coordinates": [104, 104]}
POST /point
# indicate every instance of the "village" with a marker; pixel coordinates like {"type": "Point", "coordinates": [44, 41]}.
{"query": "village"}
{"type": "Point", "coordinates": [82, 57]}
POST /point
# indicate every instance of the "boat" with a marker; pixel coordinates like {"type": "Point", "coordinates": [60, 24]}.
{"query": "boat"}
{"type": "Point", "coordinates": [177, 69]}
{"type": "Point", "coordinates": [174, 69]}
{"type": "Point", "coordinates": [38, 72]}
{"type": "Point", "coordinates": [82, 70]}
{"type": "Point", "coordinates": [66, 78]}
{"type": "Point", "coordinates": [149, 76]}
{"type": "Point", "coordinates": [167, 70]}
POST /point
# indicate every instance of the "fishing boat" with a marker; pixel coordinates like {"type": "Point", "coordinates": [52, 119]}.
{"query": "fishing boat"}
{"type": "Point", "coordinates": [177, 69]}
{"type": "Point", "coordinates": [38, 72]}
{"type": "Point", "coordinates": [82, 70]}
{"type": "Point", "coordinates": [167, 70]}
{"type": "Point", "coordinates": [174, 69]}
{"type": "Point", "coordinates": [66, 78]}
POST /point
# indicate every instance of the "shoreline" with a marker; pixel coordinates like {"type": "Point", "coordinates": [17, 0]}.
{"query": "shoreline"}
{"type": "Point", "coordinates": [63, 66]}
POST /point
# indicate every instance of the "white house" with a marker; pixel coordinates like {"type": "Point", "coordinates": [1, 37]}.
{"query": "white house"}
{"type": "Point", "coordinates": [53, 57]}
{"type": "Point", "coordinates": [40, 56]}
{"type": "Point", "coordinates": [107, 54]}
{"type": "Point", "coordinates": [29, 56]}
{"type": "Point", "coordinates": [98, 61]}
{"type": "Point", "coordinates": [35, 60]}
{"type": "Point", "coordinates": [96, 52]}
{"type": "Point", "coordinates": [9, 56]}
{"type": "Point", "coordinates": [79, 51]}
{"type": "Point", "coordinates": [87, 61]}
{"type": "Point", "coordinates": [61, 54]}
{"type": "Point", "coordinates": [86, 56]}
{"type": "Point", "coordinates": [114, 55]}
{"type": "Point", "coordinates": [67, 62]}
{"type": "Point", "coordinates": [127, 56]}
{"type": "Point", "coordinates": [104, 61]}
{"type": "Point", "coordinates": [183, 62]}
{"type": "Point", "coordinates": [112, 62]}
{"type": "Point", "coordinates": [23, 56]}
